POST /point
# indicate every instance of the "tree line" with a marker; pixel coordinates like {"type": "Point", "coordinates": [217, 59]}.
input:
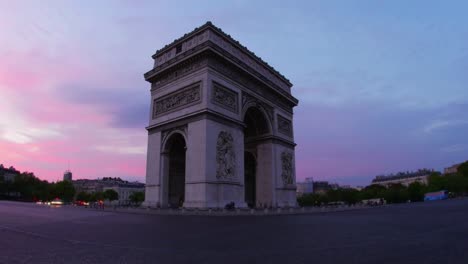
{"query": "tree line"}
{"type": "Point", "coordinates": [27, 187]}
{"type": "Point", "coordinates": [456, 184]}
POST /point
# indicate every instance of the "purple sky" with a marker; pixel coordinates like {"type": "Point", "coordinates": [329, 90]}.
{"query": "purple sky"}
{"type": "Point", "coordinates": [382, 85]}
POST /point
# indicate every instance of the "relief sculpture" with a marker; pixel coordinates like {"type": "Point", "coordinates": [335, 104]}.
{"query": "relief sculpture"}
{"type": "Point", "coordinates": [225, 97]}
{"type": "Point", "coordinates": [287, 167]}
{"type": "Point", "coordinates": [225, 156]}
{"type": "Point", "coordinates": [176, 100]}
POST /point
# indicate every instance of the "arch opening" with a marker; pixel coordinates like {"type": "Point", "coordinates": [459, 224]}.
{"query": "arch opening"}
{"type": "Point", "coordinates": [176, 148]}
{"type": "Point", "coordinates": [256, 126]}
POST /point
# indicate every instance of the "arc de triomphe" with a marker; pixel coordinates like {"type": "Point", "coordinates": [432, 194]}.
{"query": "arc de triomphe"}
{"type": "Point", "coordinates": [221, 126]}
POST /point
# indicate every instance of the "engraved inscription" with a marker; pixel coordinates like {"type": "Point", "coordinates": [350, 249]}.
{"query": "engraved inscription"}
{"type": "Point", "coordinates": [225, 97]}
{"type": "Point", "coordinates": [176, 100]}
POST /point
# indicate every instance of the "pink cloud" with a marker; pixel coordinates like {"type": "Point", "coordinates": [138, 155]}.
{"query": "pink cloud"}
{"type": "Point", "coordinates": [51, 131]}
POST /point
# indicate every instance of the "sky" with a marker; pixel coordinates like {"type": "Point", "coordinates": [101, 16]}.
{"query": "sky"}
{"type": "Point", "coordinates": [382, 85]}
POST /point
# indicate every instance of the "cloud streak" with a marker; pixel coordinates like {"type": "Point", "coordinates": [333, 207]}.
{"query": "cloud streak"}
{"type": "Point", "coordinates": [380, 90]}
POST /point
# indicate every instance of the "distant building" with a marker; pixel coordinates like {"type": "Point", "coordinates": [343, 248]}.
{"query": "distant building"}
{"type": "Point", "coordinates": [123, 188]}
{"type": "Point", "coordinates": [305, 187]}
{"type": "Point", "coordinates": [67, 175]}
{"type": "Point", "coordinates": [404, 178]}
{"type": "Point", "coordinates": [452, 169]}
{"type": "Point", "coordinates": [359, 187]}
{"type": "Point", "coordinates": [9, 174]}
{"type": "Point", "coordinates": [87, 186]}
{"type": "Point", "coordinates": [321, 187]}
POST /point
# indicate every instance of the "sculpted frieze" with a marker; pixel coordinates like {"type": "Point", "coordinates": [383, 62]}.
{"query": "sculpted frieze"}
{"type": "Point", "coordinates": [177, 100]}
{"type": "Point", "coordinates": [284, 126]}
{"type": "Point", "coordinates": [246, 81]}
{"type": "Point", "coordinates": [225, 97]}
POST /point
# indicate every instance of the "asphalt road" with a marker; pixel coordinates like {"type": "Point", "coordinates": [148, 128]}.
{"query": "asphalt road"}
{"type": "Point", "coordinates": [435, 232]}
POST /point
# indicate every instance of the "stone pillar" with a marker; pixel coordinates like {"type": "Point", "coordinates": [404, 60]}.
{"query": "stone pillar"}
{"type": "Point", "coordinates": [164, 179]}
{"type": "Point", "coordinates": [265, 185]}
{"type": "Point", "coordinates": [153, 184]}
{"type": "Point", "coordinates": [195, 165]}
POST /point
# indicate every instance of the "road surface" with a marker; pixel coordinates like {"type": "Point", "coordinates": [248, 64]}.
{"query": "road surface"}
{"type": "Point", "coordinates": [435, 232]}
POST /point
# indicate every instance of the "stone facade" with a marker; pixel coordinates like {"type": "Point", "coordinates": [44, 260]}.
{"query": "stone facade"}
{"type": "Point", "coordinates": [212, 100]}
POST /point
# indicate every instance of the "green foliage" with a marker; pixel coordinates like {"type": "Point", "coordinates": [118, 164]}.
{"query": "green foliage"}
{"type": "Point", "coordinates": [437, 182]}
{"type": "Point", "coordinates": [396, 193]}
{"type": "Point", "coordinates": [372, 191]}
{"type": "Point", "coordinates": [347, 196]}
{"type": "Point", "coordinates": [111, 195]}
{"type": "Point", "coordinates": [416, 191]}
{"type": "Point", "coordinates": [137, 197]}
{"type": "Point", "coordinates": [312, 199]}
{"type": "Point", "coordinates": [96, 196]}
{"type": "Point", "coordinates": [3, 184]}
{"type": "Point", "coordinates": [29, 187]}
{"type": "Point", "coordinates": [64, 190]}
{"type": "Point", "coordinates": [456, 184]}
{"type": "Point", "coordinates": [463, 169]}
{"type": "Point", "coordinates": [83, 196]}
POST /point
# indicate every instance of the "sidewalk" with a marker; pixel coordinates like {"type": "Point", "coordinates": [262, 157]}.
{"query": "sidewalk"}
{"type": "Point", "coordinates": [235, 212]}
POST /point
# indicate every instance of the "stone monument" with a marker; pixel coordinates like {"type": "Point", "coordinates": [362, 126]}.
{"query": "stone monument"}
{"type": "Point", "coordinates": [220, 128]}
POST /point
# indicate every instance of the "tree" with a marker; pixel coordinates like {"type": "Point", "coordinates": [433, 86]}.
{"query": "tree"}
{"type": "Point", "coordinates": [64, 190]}
{"type": "Point", "coordinates": [350, 196]}
{"type": "Point", "coordinates": [416, 191]}
{"type": "Point", "coordinates": [96, 196]}
{"type": "Point", "coordinates": [111, 195]}
{"type": "Point", "coordinates": [83, 196]}
{"type": "Point", "coordinates": [463, 169]}
{"type": "Point", "coordinates": [137, 197]}
{"type": "Point", "coordinates": [437, 182]}
{"type": "Point", "coordinates": [28, 186]}
{"type": "Point", "coordinates": [396, 193]}
{"type": "Point", "coordinates": [456, 184]}
{"type": "Point", "coordinates": [372, 192]}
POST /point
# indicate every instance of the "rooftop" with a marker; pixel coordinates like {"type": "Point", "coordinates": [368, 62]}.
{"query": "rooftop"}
{"type": "Point", "coordinates": [209, 25]}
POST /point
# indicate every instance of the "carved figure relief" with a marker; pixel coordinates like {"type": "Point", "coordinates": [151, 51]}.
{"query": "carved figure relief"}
{"type": "Point", "coordinates": [284, 126]}
{"type": "Point", "coordinates": [225, 156]}
{"type": "Point", "coordinates": [225, 97]}
{"type": "Point", "coordinates": [176, 100]}
{"type": "Point", "coordinates": [287, 168]}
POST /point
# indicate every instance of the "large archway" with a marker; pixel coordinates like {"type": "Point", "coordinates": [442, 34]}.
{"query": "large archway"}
{"type": "Point", "coordinates": [176, 148]}
{"type": "Point", "coordinates": [256, 126]}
